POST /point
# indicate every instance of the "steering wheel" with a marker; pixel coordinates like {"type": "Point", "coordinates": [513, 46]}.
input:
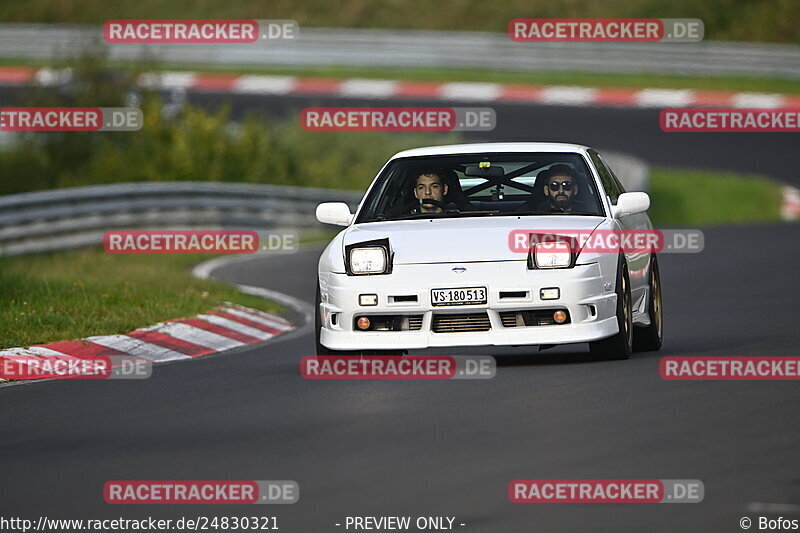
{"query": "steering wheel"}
{"type": "Point", "coordinates": [431, 201]}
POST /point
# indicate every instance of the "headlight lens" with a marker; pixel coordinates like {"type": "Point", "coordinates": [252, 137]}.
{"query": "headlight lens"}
{"type": "Point", "coordinates": [368, 260]}
{"type": "Point", "coordinates": [553, 254]}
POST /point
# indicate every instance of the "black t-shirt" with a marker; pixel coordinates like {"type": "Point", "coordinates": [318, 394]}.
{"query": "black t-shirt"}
{"type": "Point", "coordinates": [548, 207]}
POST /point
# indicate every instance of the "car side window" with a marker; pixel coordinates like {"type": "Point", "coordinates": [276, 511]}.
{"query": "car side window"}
{"type": "Point", "coordinates": [610, 183]}
{"type": "Point", "coordinates": [620, 186]}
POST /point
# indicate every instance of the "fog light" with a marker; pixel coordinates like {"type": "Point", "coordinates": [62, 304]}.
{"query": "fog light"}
{"type": "Point", "coordinates": [363, 322]}
{"type": "Point", "coordinates": [367, 299]}
{"type": "Point", "coordinates": [559, 317]}
{"type": "Point", "coordinates": [550, 293]}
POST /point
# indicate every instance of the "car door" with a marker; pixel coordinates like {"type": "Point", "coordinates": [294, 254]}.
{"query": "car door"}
{"type": "Point", "coordinates": [638, 262]}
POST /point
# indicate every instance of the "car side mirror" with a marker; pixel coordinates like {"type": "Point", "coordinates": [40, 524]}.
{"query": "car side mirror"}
{"type": "Point", "coordinates": [630, 203]}
{"type": "Point", "coordinates": [336, 213]}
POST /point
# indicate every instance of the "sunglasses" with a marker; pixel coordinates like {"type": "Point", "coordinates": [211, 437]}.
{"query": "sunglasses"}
{"type": "Point", "coordinates": [567, 185]}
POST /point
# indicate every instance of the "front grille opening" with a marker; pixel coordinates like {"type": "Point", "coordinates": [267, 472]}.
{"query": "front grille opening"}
{"type": "Point", "coordinates": [460, 323]}
{"type": "Point", "coordinates": [390, 323]}
{"type": "Point", "coordinates": [533, 317]}
{"type": "Point", "coordinates": [511, 319]}
{"type": "Point", "coordinates": [404, 298]}
{"type": "Point", "coordinates": [513, 294]}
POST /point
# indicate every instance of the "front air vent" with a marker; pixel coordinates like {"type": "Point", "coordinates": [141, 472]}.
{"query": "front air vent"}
{"type": "Point", "coordinates": [533, 317]}
{"type": "Point", "coordinates": [509, 319]}
{"type": "Point", "coordinates": [404, 298]}
{"type": "Point", "coordinates": [390, 323]}
{"type": "Point", "coordinates": [414, 322]}
{"type": "Point", "coordinates": [461, 323]}
{"type": "Point", "coordinates": [513, 294]}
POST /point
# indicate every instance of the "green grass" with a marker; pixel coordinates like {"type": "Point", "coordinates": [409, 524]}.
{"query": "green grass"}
{"type": "Point", "coordinates": [75, 294]}
{"type": "Point", "coordinates": [582, 79]}
{"type": "Point", "coordinates": [738, 20]}
{"type": "Point", "coordinates": [701, 198]}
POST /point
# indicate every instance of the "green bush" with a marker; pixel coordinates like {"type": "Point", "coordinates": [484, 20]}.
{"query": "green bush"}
{"type": "Point", "coordinates": [199, 145]}
{"type": "Point", "coordinates": [193, 144]}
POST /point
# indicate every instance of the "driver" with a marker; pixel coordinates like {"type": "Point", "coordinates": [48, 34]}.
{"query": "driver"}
{"type": "Point", "coordinates": [430, 190]}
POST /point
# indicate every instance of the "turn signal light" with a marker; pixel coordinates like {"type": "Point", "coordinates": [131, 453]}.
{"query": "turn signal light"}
{"type": "Point", "coordinates": [363, 322]}
{"type": "Point", "coordinates": [367, 299]}
{"type": "Point", "coordinates": [559, 317]}
{"type": "Point", "coordinates": [550, 293]}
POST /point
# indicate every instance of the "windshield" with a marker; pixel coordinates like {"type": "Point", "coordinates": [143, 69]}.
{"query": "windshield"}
{"type": "Point", "coordinates": [471, 185]}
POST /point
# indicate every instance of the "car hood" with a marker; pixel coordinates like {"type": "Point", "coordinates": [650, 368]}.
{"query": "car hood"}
{"type": "Point", "coordinates": [459, 240]}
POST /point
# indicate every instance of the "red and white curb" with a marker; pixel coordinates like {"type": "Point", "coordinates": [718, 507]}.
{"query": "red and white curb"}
{"type": "Point", "coordinates": [428, 90]}
{"type": "Point", "coordinates": [226, 327]}
{"type": "Point", "coordinates": [790, 205]}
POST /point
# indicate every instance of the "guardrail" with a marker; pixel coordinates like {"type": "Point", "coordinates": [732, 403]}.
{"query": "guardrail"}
{"type": "Point", "coordinates": [79, 216]}
{"type": "Point", "coordinates": [416, 48]}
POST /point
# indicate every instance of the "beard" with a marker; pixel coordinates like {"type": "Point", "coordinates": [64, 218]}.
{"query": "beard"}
{"type": "Point", "coordinates": [561, 200]}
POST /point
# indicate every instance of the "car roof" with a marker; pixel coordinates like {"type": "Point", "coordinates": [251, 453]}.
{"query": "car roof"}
{"type": "Point", "coordinates": [479, 148]}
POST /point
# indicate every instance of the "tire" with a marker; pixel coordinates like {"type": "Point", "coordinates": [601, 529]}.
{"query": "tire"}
{"type": "Point", "coordinates": [620, 346]}
{"type": "Point", "coordinates": [649, 338]}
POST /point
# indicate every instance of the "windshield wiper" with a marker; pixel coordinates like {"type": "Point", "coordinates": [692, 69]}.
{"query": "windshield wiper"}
{"type": "Point", "coordinates": [450, 213]}
{"type": "Point", "coordinates": [470, 213]}
{"type": "Point", "coordinates": [559, 213]}
{"type": "Point", "coordinates": [418, 215]}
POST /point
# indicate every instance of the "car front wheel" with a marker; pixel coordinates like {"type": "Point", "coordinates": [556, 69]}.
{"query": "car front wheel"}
{"type": "Point", "coordinates": [620, 345]}
{"type": "Point", "coordinates": [649, 338]}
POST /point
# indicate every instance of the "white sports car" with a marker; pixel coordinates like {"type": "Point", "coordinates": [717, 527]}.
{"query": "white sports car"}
{"type": "Point", "coordinates": [432, 256]}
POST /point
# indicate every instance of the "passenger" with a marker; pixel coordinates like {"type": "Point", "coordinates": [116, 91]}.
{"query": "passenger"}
{"type": "Point", "coordinates": [561, 189]}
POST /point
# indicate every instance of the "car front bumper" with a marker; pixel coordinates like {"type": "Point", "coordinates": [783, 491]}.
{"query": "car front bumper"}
{"type": "Point", "coordinates": [590, 302]}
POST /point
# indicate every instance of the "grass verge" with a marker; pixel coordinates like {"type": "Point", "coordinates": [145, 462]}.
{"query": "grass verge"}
{"type": "Point", "coordinates": [74, 294]}
{"type": "Point", "coordinates": [701, 198]}
{"type": "Point", "coordinates": [582, 79]}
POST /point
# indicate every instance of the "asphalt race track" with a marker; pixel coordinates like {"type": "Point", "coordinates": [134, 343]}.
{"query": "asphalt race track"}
{"type": "Point", "coordinates": [450, 448]}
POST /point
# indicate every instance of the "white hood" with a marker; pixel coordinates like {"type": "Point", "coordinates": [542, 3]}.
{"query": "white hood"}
{"type": "Point", "coordinates": [460, 240]}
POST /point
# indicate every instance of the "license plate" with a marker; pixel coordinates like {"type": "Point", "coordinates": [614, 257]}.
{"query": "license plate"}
{"type": "Point", "coordinates": [465, 296]}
